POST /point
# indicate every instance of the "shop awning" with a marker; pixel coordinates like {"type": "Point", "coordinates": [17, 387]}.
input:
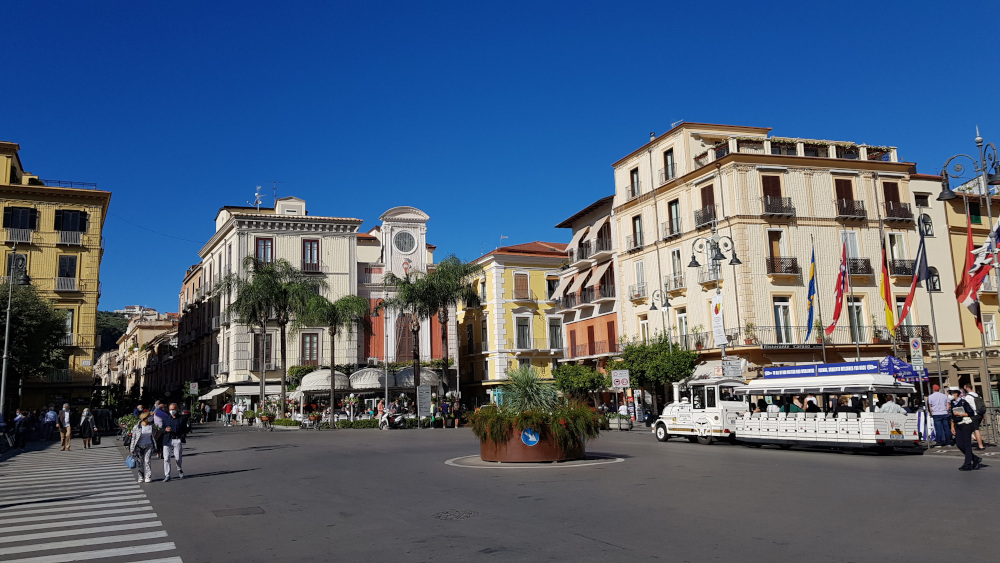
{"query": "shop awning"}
{"type": "Point", "coordinates": [214, 393]}
{"type": "Point", "coordinates": [248, 390]}
{"type": "Point", "coordinates": [576, 239]}
{"type": "Point", "coordinates": [595, 229]}
{"type": "Point", "coordinates": [561, 288]}
{"type": "Point", "coordinates": [597, 273]}
{"type": "Point", "coordinates": [578, 283]}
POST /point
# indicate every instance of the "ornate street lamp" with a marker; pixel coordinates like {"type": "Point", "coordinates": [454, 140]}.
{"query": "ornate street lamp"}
{"type": "Point", "coordinates": [714, 248]}
{"type": "Point", "coordinates": [18, 275]}
{"type": "Point", "coordinates": [661, 296]}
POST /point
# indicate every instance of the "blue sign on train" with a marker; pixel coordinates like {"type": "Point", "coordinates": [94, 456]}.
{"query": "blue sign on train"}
{"type": "Point", "coordinates": [820, 370]}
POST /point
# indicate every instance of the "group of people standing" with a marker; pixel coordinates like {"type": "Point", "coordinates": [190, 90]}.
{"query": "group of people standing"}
{"type": "Point", "coordinates": [957, 416]}
{"type": "Point", "coordinates": [160, 431]}
{"type": "Point", "coordinates": [43, 423]}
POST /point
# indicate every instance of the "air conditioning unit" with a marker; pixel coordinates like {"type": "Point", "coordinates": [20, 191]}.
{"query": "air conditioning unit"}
{"type": "Point", "coordinates": [269, 366]}
{"type": "Point", "coordinates": [372, 361]}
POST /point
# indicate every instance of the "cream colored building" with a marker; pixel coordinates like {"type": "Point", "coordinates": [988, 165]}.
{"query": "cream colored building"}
{"type": "Point", "coordinates": [134, 352]}
{"type": "Point", "coordinates": [777, 198]}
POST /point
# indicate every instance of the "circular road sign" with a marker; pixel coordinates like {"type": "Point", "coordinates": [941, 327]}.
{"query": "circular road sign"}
{"type": "Point", "coordinates": [529, 436]}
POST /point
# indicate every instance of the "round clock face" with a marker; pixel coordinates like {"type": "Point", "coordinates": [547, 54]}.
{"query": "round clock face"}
{"type": "Point", "coordinates": [404, 242]}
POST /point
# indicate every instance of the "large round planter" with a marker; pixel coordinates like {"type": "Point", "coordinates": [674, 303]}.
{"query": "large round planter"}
{"type": "Point", "coordinates": [516, 451]}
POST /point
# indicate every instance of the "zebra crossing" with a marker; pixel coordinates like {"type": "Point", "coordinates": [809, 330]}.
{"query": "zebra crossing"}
{"type": "Point", "coordinates": [80, 505]}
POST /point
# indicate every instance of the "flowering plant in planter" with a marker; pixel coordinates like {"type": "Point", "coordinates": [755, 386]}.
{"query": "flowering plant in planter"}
{"type": "Point", "coordinates": [532, 403]}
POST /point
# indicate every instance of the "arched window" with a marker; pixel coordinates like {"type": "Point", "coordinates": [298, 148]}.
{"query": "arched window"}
{"type": "Point", "coordinates": [934, 281]}
{"type": "Point", "coordinates": [926, 225]}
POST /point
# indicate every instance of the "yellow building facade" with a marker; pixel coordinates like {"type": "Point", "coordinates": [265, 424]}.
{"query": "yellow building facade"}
{"type": "Point", "coordinates": [57, 226]}
{"type": "Point", "coordinates": [516, 323]}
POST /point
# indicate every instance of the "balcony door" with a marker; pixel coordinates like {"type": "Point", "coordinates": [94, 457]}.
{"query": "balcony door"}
{"type": "Point", "coordinates": [310, 350]}
{"type": "Point", "coordinates": [640, 277]}
{"type": "Point", "coordinates": [771, 186]}
{"type": "Point", "coordinates": [908, 321]}
{"type": "Point", "coordinates": [707, 196]}
{"type": "Point", "coordinates": [851, 238]}
{"type": "Point", "coordinates": [897, 246]}
{"type": "Point", "coordinates": [783, 319]}
{"type": "Point", "coordinates": [856, 318]}
{"type": "Point", "coordinates": [523, 333]}
{"type": "Point", "coordinates": [891, 192]}
{"type": "Point", "coordinates": [776, 243]}
{"type": "Point", "coordinates": [844, 188]}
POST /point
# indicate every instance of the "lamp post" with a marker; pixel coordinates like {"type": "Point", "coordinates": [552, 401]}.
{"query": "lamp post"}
{"type": "Point", "coordinates": [18, 272]}
{"type": "Point", "coordinates": [714, 248]}
{"type": "Point", "coordinates": [661, 296]}
{"type": "Point", "coordinates": [987, 173]}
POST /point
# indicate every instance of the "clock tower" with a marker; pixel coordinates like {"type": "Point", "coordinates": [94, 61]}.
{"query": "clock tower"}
{"type": "Point", "coordinates": [404, 240]}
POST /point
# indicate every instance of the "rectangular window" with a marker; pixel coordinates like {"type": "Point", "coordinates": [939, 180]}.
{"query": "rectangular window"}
{"type": "Point", "coordinates": [856, 318]}
{"type": "Point", "coordinates": [69, 320]}
{"type": "Point", "coordinates": [555, 334]}
{"type": "Point", "coordinates": [229, 259]}
{"type": "Point", "coordinates": [989, 328]}
{"type": "Point", "coordinates": [682, 321]}
{"type": "Point", "coordinates": [265, 250]}
{"type": "Point", "coordinates": [67, 266]}
{"type": "Point", "coordinates": [310, 255]}
{"type": "Point", "coordinates": [771, 187]}
{"type": "Point", "coordinates": [486, 340]}
{"type": "Point", "coordinates": [776, 243]}
{"type": "Point", "coordinates": [10, 262]}
{"type": "Point", "coordinates": [523, 362]}
{"type": "Point", "coordinates": [486, 369]}
{"type": "Point", "coordinates": [521, 290]}
{"type": "Point", "coordinates": [921, 200]}
{"type": "Point", "coordinates": [975, 213]}
{"type": "Point", "coordinates": [71, 220]}
{"type": "Point", "coordinates": [707, 196]}
{"type": "Point", "coordinates": [669, 171]}
{"type": "Point", "coordinates": [636, 231]}
{"type": "Point", "coordinates": [674, 217]}
{"type": "Point", "coordinates": [20, 218]}
{"type": "Point", "coordinates": [523, 333]}
{"type": "Point", "coordinates": [897, 246]}
{"type": "Point", "coordinates": [844, 188]}
{"type": "Point", "coordinates": [268, 358]}
{"type": "Point", "coordinates": [550, 286]}
{"type": "Point", "coordinates": [310, 350]}
{"type": "Point", "coordinates": [482, 291]}
{"type": "Point", "coordinates": [470, 345]}
{"type": "Point", "coordinates": [633, 176]}
{"type": "Point", "coordinates": [640, 278]}
{"type": "Point", "coordinates": [783, 320]}
{"type": "Point", "coordinates": [644, 328]}
{"type": "Point", "coordinates": [908, 321]}
{"type": "Point", "coordinates": [851, 238]}
{"type": "Point", "coordinates": [891, 192]}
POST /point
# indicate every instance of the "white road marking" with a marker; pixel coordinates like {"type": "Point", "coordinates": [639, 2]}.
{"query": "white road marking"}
{"type": "Point", "coordinates": [82, 543]}
{"type": "Point", "coordinates": [50, 517]}
{"type": "Point", "coordinates": [99, 554]}
{"type": "Point", "coordinates": [80, 532]}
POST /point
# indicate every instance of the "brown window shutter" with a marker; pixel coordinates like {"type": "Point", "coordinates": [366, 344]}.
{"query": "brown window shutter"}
{"type": "Point", "coordinates": [891, 191]}
{"type": "Point", "coordinates": [707, 196]}
{"type": "Point", "coordinates": [521, 285]}
{"type": "Point", "coordinates": [844, 189]}
{"type": "Point", "coordinates": [771, 187]}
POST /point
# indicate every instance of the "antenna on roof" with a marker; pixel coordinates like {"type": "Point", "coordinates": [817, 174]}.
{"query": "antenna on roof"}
{"type": "Point", "coordinates": [676, 123]}
{"type": "Point", "coordinates": [501, 239]}
{"type": "Point", "coordinates": [275, 188]}
{"type": "Point", "coordinates": [257, 199]}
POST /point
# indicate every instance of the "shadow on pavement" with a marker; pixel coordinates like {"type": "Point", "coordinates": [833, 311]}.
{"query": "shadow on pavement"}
{"type": "Point", "coordinates": [215, 473]}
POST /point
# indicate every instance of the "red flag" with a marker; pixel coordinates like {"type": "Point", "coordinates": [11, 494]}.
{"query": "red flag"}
{"type": "Point", "coordinates": [967, 291]}
{"type": "Point", "coordinates": [920, 273]}
{"type": "Point", "coordinates": [839, 290]}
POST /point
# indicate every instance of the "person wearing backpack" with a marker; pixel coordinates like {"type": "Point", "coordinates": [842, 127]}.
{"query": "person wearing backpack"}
{"type": "Point", "coordinates": [979, 404]}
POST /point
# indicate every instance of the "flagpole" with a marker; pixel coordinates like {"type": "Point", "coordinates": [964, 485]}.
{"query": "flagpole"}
{"type": "Point", "coordinates": [819, 308]}
{"type": "Point", "coordinates": [850, 316]}
{"type": "Point", "coordinates": [883, 280]}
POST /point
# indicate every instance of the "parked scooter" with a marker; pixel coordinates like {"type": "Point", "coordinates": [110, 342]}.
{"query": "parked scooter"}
{"type": "Point", "coordinates": [390, 421]}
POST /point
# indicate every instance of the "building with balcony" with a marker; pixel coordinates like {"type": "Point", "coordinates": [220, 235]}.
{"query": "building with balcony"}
{"type": "Point", "coordinates": [57, 226]}
{"type": "Point", "coordinates": [517, 322]}
{"type": "Point", "coordinates": [777, 198]}
{"type": "Point", "coordinates": [586, 296]}
{"type": "Point", "coordinates": [135, 351]}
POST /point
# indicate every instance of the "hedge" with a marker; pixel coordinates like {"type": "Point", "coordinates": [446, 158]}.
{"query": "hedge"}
{"type": "Point", "coordinates": [285, 422]}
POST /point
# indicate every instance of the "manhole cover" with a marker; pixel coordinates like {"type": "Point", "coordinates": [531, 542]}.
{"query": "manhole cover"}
{"type": "Point", "coordinates": [238, 511]}
{"type": "Point", "coordinates": [455, 514]}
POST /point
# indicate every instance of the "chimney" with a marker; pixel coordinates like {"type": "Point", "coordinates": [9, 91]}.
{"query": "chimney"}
{"type": "Point", "coordinates": [652, 135]}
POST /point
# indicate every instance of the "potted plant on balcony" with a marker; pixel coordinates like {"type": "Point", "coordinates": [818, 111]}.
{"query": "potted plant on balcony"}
{"type": "Point", "coordinates": [878, 333]}
{"type": "Point", "coordinates": [818, 329]}
{"type": "Point", "coordinates": [534, 424]}
{"type": "Point", "coordinates": [750, 334]}
{"type": "Point", "coordinates": [699, 336]}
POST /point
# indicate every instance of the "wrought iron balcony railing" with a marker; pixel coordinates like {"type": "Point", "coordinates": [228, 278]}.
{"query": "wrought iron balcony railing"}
{"type": "Point", "coordinates": [851, 209]}
{"type": "Point", "coordinates": [704, 216]}
{"type": "Point", "coordinates": [897, 211]}
{"type": "Point", "coordinates": [783, 265]}
{"type": "Point", "coordinates": [778, 207]}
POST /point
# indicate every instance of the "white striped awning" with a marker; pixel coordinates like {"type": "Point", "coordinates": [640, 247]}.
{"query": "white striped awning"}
{"type": "Point", "coordinates": [576, 239]}
{"type": "Point", "coordinates": [213, 393]}
{"type": "Point", "coordinates": [254, 390]}
{"type": "Point", "coordinates": [560, 289]}
{"type": "Point", "coordinates": [595, 229]}
{"type": "Point", "coordinates": [578, 283]}
{"type": "Point", "coordinates": [598, 272]}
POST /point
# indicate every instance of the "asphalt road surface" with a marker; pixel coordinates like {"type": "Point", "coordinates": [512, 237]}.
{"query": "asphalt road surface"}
{"type": "Point", "coordinates": [367, 495]}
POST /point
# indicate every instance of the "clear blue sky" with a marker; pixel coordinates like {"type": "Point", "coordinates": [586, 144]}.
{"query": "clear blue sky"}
{"type": "Point", "coordinates": [494, 119]}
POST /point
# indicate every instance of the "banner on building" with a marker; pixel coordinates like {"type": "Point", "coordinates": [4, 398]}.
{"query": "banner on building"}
{"type": "Point", "coordinates": [718, 326]}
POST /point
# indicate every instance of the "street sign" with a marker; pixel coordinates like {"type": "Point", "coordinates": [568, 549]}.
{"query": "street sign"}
{"type": "Point", "coordinates": [916, 353]}
{"type": "Point", "coordinates": [620, 379]}
{"type": "Point", "coordinates": [732, 367]}
{"type": "Point", "coordinates": [529, 436]}
{"type": "Point", "coordinates": [194, 388]}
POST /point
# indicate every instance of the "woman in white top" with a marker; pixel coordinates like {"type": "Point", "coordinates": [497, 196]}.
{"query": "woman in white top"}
{"type": "Point", "coordinates": [239, 413]}
{"type": "Point", "coordinates": [144, 435]}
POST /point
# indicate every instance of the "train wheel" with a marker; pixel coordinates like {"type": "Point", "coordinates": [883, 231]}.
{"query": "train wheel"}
{"type": "Point", "coordinates": [661, 433]}
{"type": "Point", "coordinates": [705, 440]}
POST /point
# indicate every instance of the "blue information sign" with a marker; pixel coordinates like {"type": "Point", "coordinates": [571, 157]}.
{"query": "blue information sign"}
{"type": "Point", "coordinates": [529, 436]}
{"type": "Point", "coordinates": [846, 368]}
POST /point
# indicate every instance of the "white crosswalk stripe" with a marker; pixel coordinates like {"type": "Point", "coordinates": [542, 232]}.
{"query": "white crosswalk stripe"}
{"type": "Point", "coordinates": [80, 505]}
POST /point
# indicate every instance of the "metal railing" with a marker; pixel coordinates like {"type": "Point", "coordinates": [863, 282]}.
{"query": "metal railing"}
{"type": "Point", "coordinates": [586, 295]}
{"type": "Point", "coordinates": [633, 242]}
{"type": "Point", "coordinates": [637, 291]}
{"type": "Point", "coordinates": [223, 368]}
{"type": "Point", "coordinates": [581, 252]}
{"type": "Point", "coordinates": [595, 348]}
{"type": "Point", "coordinates": [634, 189]}
{"type": "Point", "coordinates": [529, 344]}
{"type": "Point", "coordinates": [312, 266]}
{"type": "Point", "coordinates": [704, 216]}
{"type": "Point", "coordinates": [851, 208]}
{"type": "Point", "coordinates": [721, 151]}
{"type": "Point", "coordinates": [567, 301]}
{"type": "Point", "coordinates": [670, 229]}
{"type": "Point", "coordinates": [60, 376]}
{"type": "Point", "coordinates": [710, 273]}
{"type": "Point", "coordinates": [599, 245]}
{"type": "Point", "coordinates": [67, 340]}
{"type": "Point", "coordinates": [308, 361]}
{"type": "Point", "coordinates": [779, 206]}
{"type": "Point", "coordinates": [897, 211]}
{"type": "Point", "coordinates": [19, 235]}
{"type": "Point", "coordinates": [70, 184]}
{"type": "Point", "coordinates": [668, 173]}
{"type": "Point", "coordinates": [607, 291]}
{"type": "Point", "coordinates": [216, 323]}
{"type": "Point", "coordinates": [794, 336]}
{"type": "Point", "coordinates": [783, 265]}
{"type": "Point", "coordinates": [902, 267]}
{"type": "Point", "coordinates": [370, 277]}
{"type": "Point", "coordinates": [860, 267]}
{"type": "Point", "coordinates": [73, 238]}
{"type": "Point", "coordinates": [66, 284]}
{"type": "Point", "coordinates": [269, 366]}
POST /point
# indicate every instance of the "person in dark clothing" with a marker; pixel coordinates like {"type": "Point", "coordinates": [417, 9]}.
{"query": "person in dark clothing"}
{"type": "Point", "coordinates": [174, 430]}
{"type": "Point", "coordinates": [21, 427]}
{"type": "Point", "coordinates": [961, 415]}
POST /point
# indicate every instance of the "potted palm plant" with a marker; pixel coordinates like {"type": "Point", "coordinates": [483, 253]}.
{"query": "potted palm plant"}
{"type": "Point", "coordinates": [750, 337]}
{"type": "Point", "coordinates": [699, 337]}
{"type": "Point", "coordinates": [534, 424]}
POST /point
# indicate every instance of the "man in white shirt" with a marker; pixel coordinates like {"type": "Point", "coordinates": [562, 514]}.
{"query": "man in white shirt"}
{"type": "Point", "coordinates": [938, 403]}
{"type": "Point", "coordinates": [890, 406]}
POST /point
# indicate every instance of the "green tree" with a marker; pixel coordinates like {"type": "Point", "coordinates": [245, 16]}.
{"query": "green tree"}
{"type": "Point", "coordinates": [448, 284]}
{"type": "Point", "coordinates": [110, 327]}
{"type": "Point", "coordinates": [342, 315]}
{"type": "Point", "coordinates": [580, 381]}
{"type": "Point", "coordinates": [270, 291]}
{"type": "Point", "coordinates": [36, 330]}
{"type": "Point", "coordinates": [655, 362]}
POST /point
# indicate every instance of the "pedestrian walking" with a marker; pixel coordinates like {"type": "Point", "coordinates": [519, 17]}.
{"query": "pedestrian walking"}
{"type": "Point", "coordinates": [204, 413]}
{"type": "Point", "coordinates": [50, 423]}
{"type": "Point", "coordinates": [173, 437]}
{"type": "Point", "coordinates": [144, 435]}
{"type": "Point", "coordinates": [938, 403]}
{"type": "Point", "coordinates": [64, 426]}
{"type": "Point", "coordinates": [240, 410]}
{"type": "Point", "coordinates": [979, 404]}
{"type": "Point", "coordinates": [961, 415]}
{"type": "Point", "coordinates": [87, 428]}
{"type": "Point", "coordinates": [228, 410]}
{"type": "Point", "coordinates": [21, 426]}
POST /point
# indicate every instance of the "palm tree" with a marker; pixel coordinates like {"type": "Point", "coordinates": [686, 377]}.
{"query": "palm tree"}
{"type": "Point", "coordinates": [449, 284]}
{"type": "Point", "coordinates": [271, 291]}
{"type": "Point", "coordinates": [414, 295]}
{"type": "Point", "coordinates": [339, 316]}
